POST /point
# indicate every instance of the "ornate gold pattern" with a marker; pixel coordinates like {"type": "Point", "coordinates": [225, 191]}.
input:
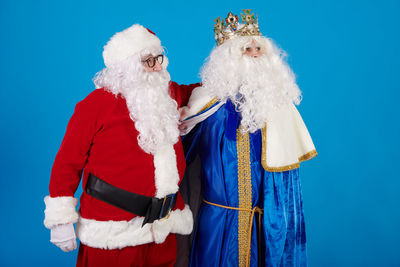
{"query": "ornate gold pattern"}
{"type": "Point", "coordinates": [245, 195]}
{"type": "Point", "coordinates": [232, 28]}
{"type": "Point", "coordinates": [209, 104]}
{"type": "Point", "coordinates": [307, 156]}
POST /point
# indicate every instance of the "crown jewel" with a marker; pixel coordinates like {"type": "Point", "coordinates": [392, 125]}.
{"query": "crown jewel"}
{"type": "Point", "coordinates": [231, 28]}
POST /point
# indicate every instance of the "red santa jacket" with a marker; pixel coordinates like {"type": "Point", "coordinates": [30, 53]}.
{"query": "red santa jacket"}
{"type": "Point", "coordinates": [101, 139]}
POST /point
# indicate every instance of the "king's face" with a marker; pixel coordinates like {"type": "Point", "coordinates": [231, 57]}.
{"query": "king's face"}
{"type": "Point", "coordinates": [253, 50]}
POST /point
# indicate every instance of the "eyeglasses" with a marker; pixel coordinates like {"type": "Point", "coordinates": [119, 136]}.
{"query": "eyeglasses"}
{"type": "Point", "coordinates": [151, 61]}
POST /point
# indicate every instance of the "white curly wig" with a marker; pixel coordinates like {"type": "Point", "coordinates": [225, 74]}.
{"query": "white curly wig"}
{"type": "Point", "coordinates": [256, 86]}
{"type": "Point", "coordinates": [147, 96]}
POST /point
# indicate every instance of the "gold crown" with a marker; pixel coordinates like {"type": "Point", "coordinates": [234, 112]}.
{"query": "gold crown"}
{"type": "Point", "coordinates": [232, 28]}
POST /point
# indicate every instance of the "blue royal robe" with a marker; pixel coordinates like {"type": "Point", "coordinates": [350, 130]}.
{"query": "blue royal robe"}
{"type": "Point", "coordinates": [232, 175]}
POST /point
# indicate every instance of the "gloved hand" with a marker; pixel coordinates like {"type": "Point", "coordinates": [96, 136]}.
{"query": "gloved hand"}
{"type": "Point", "coordinates": [63, 236]}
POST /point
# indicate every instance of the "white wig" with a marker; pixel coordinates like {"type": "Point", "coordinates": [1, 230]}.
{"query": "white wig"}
{"type": "Point", "coordinates": [147, 96]}
{"type": "Point", "coordinates": [256, 86]}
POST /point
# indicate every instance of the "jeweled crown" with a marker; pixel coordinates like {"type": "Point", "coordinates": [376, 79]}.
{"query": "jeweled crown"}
{"type": "Point", "coordinates": [231, 28]}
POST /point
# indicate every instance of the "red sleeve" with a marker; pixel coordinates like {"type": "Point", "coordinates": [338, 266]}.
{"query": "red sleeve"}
{"type": "Point", "coordinates": [73, 153]}
{"type": "Point", "coordinates": [181, 93]}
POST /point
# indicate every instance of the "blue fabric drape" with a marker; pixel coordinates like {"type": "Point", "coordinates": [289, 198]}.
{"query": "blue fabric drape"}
{"type": "Point", "coordinates": [215, 241]}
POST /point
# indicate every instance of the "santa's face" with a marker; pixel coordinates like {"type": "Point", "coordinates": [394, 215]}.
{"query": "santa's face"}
{"type": "Point", "coordinates": [152, 63]}
{"type": "Point", "coordinates": [253, 50]}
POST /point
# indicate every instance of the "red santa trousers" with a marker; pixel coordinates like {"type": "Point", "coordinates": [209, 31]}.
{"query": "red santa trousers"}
{"type": "Point", "coordinates": [146, 255]}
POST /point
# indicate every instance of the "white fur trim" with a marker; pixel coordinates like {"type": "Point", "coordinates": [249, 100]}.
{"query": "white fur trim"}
{"type": "Point", "coordinates": [179, 222]}
{"type": "Point", "coordinates": [166, 171]}
{"type": "Point", "coordinates": [120, 234]}
{"type": "Point", "coordinates": [189, 115]}
{"type": "Point", "coordinates": [60, 210]}
{"type": "Point", "coordinates": [198, 99]}
{"type": "Point", "coordinates": [127, 43]}
{"type": "Point", "coordinates": [188, 124]}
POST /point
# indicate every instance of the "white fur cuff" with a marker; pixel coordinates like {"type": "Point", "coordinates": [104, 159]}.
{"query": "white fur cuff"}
{"type": "Point", "coordinates": [179, 222]}
{"type": "Point", "coordinates": [120, 234]}
{"type": "Point", "coordinates": [60, 210]}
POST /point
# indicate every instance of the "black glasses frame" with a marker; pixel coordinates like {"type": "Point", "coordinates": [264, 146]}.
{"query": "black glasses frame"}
{"type": "Point", "coordinates": [151, 61]}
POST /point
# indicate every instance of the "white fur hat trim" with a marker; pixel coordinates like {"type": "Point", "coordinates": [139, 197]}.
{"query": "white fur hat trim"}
{"type": "Point", "coordinates": [127, 43]}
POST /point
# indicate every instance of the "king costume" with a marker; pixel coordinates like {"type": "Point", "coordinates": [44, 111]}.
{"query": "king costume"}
{"type": "Point", "coordinates": [251, 212]}
{"type": "Point", "coordinates": [102, 140]}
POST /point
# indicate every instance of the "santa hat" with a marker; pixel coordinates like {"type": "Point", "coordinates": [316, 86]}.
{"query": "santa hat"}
{"type": "Point", "coordinates": [129, 42]}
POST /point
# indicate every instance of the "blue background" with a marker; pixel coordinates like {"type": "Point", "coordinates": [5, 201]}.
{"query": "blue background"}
{"type": "Point", "coordinates": [345, 55]}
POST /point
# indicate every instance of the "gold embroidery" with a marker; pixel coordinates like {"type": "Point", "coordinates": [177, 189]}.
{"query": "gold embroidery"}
{"type": "Point", "coordinates": [245, 195]}
{"type": "Point", "coordinates": [209, 104]}
{"type": "Point", "coordinates": [307, 156]}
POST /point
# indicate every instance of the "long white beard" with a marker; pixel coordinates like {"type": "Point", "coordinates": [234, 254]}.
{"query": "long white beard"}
{"type": "Point", "coordinates": [256, 86]}
{"type": "Point", "coordinates": [147, 97]}
{"type": "Point", "coordinates": [154, 112]}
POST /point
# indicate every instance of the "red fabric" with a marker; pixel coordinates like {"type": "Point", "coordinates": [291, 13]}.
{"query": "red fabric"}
{"type": "Point", "coordinates": [150, 31]}
{"type": "Point", "coordinates": [181, 93]}
{"type": "Point", "coordinates": [101, 139]}
{"type": "Point", "coordinates": [144, 255]}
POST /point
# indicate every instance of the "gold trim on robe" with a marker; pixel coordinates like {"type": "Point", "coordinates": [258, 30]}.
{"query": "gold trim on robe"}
{"type": "Point", "coordinates": [312, 154]}
{"type": "Point", "coordinates": [245, 194]}
{"type": "Point", "coordinates": [289, 142]}
{"type": "Point", "coordinates": [208, 105]}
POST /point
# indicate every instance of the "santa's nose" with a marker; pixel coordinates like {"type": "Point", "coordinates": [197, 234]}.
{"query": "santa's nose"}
{"type": "Point", "coordinates": [157, 66]}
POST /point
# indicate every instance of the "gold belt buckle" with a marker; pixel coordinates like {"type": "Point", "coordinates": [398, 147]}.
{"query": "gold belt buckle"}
{"type": "Point", "coordinates": [166, 217]}
{"type": "Point", "coordinates": [169, 211]}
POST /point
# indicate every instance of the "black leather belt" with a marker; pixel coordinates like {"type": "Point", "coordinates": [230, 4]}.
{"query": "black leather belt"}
{"type": "Point", "coordinates": [149, 207]}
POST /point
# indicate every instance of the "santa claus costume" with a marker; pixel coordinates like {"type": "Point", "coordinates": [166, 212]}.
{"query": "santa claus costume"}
{"type": "Point", "coordinates": [125, 133]}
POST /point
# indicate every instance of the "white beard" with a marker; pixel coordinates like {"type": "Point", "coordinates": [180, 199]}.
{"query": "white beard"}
{"type": "Point", "coordinates": [256, 86]}
{"type": "Point", "coordinates": [147, 97]}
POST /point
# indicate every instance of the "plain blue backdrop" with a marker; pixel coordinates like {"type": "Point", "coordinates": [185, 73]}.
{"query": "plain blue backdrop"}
{"type": "Point", "coordinates": [344, 53]}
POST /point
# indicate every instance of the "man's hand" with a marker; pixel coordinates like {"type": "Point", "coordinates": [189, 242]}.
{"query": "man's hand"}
{"type": "Point", "coordinates": [63, 236]}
